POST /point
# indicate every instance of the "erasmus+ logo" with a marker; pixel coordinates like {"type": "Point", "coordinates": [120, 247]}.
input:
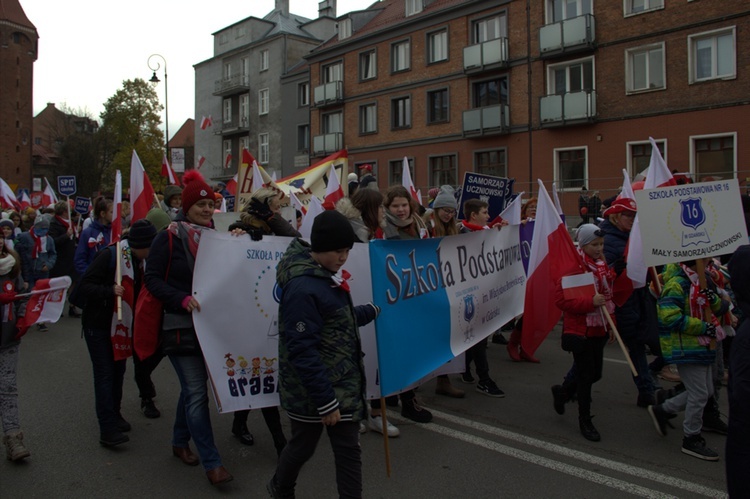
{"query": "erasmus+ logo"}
{"type": "Point", "coordinates": [692, 217]}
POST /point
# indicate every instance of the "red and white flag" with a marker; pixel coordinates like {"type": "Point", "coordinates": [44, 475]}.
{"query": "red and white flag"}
{"type": "Point", "coordinates": [46, 303]}
{"type": "Point", "coordinates": [558, 206]}
{"type": "Point", "coordinates": [553, 255]}
{"type": "Point", "coordinates": [297, 204]}
{"type": "Point", "coordinates": [25, 200]}
{"type": "Point", "coordinates": [117, 209]}
{"type": "Point", "coordinates": [578, 286]}
{"type": "Point", "coordinates": [232, 186]}
{"type": "Point", "coordinates": [627, 187]}
{"type": "Point", "coordinates": [167, 171]}
{"type": "Point", "coordinates": [257, 177]}
{"type": "Point", "coordinates": [49, 197]}
{"type": "Point", "coordinates": [201, 160]}
{"type": "Point", "coordinates": [658, 176]}
{"type": "Point", "coordinates": [228, 160]}
{"type": "Point", "coordinates": [406, 180]}
{"type": "Point", "coordinates": [206, 122]}
{"type": "Point", "coordinates": [141, 191]}
{"type": "Point", "coordinates": [121, 334]}
{"type": "Point", "coordinates": [7, 197]}
{"type": "Point", "coordinates": [512, 212]}
{"type": "Point", "coordinates": [334, 192]}
{"type": "Point", "coordinates": [314, 208]}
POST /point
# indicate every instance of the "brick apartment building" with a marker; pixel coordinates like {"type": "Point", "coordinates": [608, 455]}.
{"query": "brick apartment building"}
{"type": "Point", "coordinates": [18, 51]}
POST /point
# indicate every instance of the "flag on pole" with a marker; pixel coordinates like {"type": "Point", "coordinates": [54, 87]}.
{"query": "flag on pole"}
{"type": "Point", "coordinates": [558, 206]}
{"type": "Point", "coordinates": [406, 180]}
{"type": "Point", "coordinates": [553, 255]}
{"type": "Point", "coordinates": [232, 186]}
{"type": "Point", "coordinates": [627, 187]}
{"type": "Point", "coordinates": [117, 209]}
{"type": "Point", "coordinates": [257, 177]}
{"type": "Point", "coordinates": [512, 212]}
{"type": "Point", "coordinates": [578, 286]}
{"type": "Point", "coordinates": [228, 160]}
{"type": "Point", "coordinates": [206, 122]}
{"type": "Point", "coordinates": [201, 160]}
{"type": "Point", "coordinates": [49, 197]}
{"type": "Point", "coordinates": [45, 304]}
{"type": "Point", "coordinates": [314, 209]}
{"type": "Point", "coordinates": [167, 171]}
{"type": "Point", "coordinates": [334, 192]}
{"type": "Point", "coordinates": [25, 200]}
{"type": "Point", "coordinates": [7, 197]}
{"type": "Point", "coordinates": [141, 191]}
{"type": "Point", "coordinates": [297, 204]}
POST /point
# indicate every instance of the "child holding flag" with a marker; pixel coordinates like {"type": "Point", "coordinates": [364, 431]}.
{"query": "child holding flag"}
{"type": "Point", "coordinates": [585, 329]}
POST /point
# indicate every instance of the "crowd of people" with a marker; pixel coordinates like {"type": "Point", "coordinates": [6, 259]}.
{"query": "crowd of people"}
{"type": "Point", "coordinates": [322, 380]}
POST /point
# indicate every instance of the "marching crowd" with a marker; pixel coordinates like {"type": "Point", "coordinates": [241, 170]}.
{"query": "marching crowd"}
{"type": "Point", "coordinates": [321, 373]}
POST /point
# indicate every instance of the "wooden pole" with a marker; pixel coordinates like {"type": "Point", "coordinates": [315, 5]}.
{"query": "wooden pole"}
{"type": "Point", "coordinates": [118, 280]}
{"type": "Point", "coordinates": [657, 283]}
{"type": "Point", "coordinates": [619, 340]}
{"type": "Point", "coordinates": [384, 431]}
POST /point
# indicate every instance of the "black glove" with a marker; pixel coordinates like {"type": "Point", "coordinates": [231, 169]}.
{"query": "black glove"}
{"type": "Point", "coordinates": [260, 210]}
{"type": "Point", "coordinates": [255, 234]}
{"type": "Point", "coordinates": [710, 294]}
{"type": "Point", "coordinates": [710, 330]}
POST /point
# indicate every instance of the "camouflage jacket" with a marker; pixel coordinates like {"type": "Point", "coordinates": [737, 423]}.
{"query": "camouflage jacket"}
{"type": "Point", "coordinates": [320, 353]}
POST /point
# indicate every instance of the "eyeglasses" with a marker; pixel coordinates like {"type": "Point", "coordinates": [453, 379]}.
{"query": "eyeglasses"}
{"type": "Point", "coordinates": [449, 211]}
{"type": "Point", "coordinates": [628, 214]}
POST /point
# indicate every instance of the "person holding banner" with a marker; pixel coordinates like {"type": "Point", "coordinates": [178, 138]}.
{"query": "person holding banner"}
{"type": "Point", "coordinates": [263, 213]}
{"type": "Point", "coordinates": [321, 371]}
{"type": "Point", "coordinates": [585, 328]}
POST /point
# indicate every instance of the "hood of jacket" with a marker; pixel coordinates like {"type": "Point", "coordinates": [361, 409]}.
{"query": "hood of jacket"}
{"type": "Point", "coordinates": [296, 262]}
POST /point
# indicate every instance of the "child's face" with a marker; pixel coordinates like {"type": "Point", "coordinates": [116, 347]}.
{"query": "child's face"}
{"type": "Point", "coordinates": [332, 260]}
{"type": "Point", "coordinates": [595, 249]}
{"type": "Point", "coordinates": [7, 232]}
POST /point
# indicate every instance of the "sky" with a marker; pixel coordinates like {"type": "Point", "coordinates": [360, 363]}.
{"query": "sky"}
{"type": "Point", "coordinates": [87, 48]}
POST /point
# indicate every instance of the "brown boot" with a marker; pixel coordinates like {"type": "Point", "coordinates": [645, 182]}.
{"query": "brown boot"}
{"type": "Point", "coordinates": [15, 450]}
{"type": "Point", "coordinates": [444, 387]}
{"type": "Point", "coordinates": [514, 346]}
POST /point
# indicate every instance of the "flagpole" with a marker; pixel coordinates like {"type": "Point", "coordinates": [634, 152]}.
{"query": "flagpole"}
{"type": "Point", "coordinates": [384, 431]}
{"type": "Point", "coordinates": [619, 340]}
{"type": "Point", "coordinates": [40, 291]}
{"type": "Point", "coordinates": [118, 281]}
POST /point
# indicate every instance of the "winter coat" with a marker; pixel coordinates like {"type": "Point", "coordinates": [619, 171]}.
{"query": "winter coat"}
{"type": "Point", "coordinates": [575, 311]}
{"type": "Point", "coordinates": [346, 208]}
{"type": "Point", "coordinates": [678, 330]}
{"type": "Point", "coordinates": [31, 268]}
{"type": "Point", "coordinates": [8, 330]}
{"type": "Point", "coordinates": [86, 252]}
{"type": "Point", "coordinates": [320, 352]}
{"type": "Point", "coordinates": [66, 250]}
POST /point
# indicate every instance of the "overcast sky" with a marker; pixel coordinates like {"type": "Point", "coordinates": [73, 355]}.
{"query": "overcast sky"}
{"type": "Point", "coordinates": [87, 48]}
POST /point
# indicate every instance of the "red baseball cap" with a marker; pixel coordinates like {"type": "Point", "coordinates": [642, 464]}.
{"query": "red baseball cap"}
{"type": "Point", "coordinates": [366, 166]}
{"type": "Point", "coordinates": [620, 205]}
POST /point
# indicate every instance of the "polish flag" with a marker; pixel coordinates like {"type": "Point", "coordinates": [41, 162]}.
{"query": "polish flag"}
{"type": "Point", "coordinates": [314, 209]}
{"type": "Point", "coordinates": [25, 200]}
{"type": "Point", "coordinates": [578, 286]}
{"type": "Point", "coordinates": [658, 176]}
{"type": "Point", "coordinates": [228, 160]}
{"type": "Point", "coordinates": [49, 197]}
{"type": "Point", "coordinates": [558, 206]}
{"type": "Point", "coordinates": [553, 255]}
{"type": "Point", "coordinates": [297, 204]}
{"type": "Point", "coordinates": [627, 187]}
{"type": "Point", "coordinates": [334, 192]}
{"type": "Point", "coordinates": [201, 160]}
{"type": "Point", "coordinates": [232, 186]}
{"type": "Point", "coordinates": [7, 197]}
{"type": "Point", "coordinates": [206, 122]}
{"type": "Point", "coordinates": [512, 212]}
{"type": "Point", "coordinates": [117, 209]}
{"type": "Point", "coordinates": [406, 180]}
{"type": "Point", "coordinates": [166, 171]}
{"type": "Point", "coordinates": [141, 191]}
{"type": "Point", "coordinates": [257, 177]}
{"type": "Point", "coordinates": [46, 303]}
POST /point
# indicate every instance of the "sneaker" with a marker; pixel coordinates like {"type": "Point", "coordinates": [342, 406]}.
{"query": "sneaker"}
{"type": "Point", "coordinates": [489, 388]}
{"type": "Point", "coordinates": [588, 430]}
{"type": "Point", "coordinates": [559, 397]}
{"type": "Point", "coordinates": [42, 328]}
{"type": "Point", "coordinates": [375, 423]}
{"type": "Point", "coordinates": [412, 410]}
{"type": "Point", "coordinates": [362, 427]}
{"type": "Point", "coordinates": [695, 446]}
{"type": "Point", "coordinates": [660, 418]}
{"type": "Point", "coordinates": [467, 378]}
{"type": "Point", "coordinates": [715, 424]}
{"type": "Point", "coordinates": [148, 408]}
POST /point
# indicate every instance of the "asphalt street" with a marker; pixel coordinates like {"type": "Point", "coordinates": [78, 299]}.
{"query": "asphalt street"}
{"type": "Point", "coordinates": [477, 447]}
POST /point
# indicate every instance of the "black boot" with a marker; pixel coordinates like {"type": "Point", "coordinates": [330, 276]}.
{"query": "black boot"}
{"type": "Point", "coordinates": [239, 428]}
{"type": "Point", "coordinates": [712, 418]}
{"type": "Point", "coordinates": [559, 397]}
{"type": "Point", "coordinates": [587, 429]}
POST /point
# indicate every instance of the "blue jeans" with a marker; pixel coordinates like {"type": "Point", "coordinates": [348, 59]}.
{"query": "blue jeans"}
{"type": "Point", "coordinates": [193, 418]}
{"type": "Point", "coordinates": [108, 377]}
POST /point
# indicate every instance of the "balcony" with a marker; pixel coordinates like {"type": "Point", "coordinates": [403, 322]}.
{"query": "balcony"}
{"type": "Point", "coordinates": [235, 84]}
{"type": "Point", "coordinates": [232, 127]}
{"type": "Point", "coordinates": [571, 35]}
{"type": "Point", "coordinates": [329, 93]}
{"type": "Point", "coordinates": [486, 55]}
{"type": "Point", "coordinates": [568, 109]}
{"type": "Point", "coordinates": [323, 145]}
{"type": "Point", "coordinates": [487, 120]}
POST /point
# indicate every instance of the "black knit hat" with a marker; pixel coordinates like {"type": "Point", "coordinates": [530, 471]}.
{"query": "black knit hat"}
{"type": "Point", "coordinates": [331, 231]}
{"type": "Point", "coordinates": [141, 234]}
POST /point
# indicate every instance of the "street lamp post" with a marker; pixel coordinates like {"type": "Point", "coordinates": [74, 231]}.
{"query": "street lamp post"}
{"type": "Point", "coordinates": [155, 80]}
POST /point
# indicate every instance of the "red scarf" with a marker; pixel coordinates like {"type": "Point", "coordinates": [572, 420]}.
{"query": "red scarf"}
{"type": "Point", "coordinates": [698, 302]}
{"type": "Point", "coordinates": [38, 241]}
{"type": "Point", "coordinates": [342, 281]}
{"type": "Point", "coordinates": [604, 277]}
{"type": "Point", "coordinates": [65, 223]}
{"type": "Point", "coordinates": [472, 227]}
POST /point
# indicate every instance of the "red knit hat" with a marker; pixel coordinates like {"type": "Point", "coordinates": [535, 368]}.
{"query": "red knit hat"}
{"type": "Point", "coordinates": [195, 189]}
{"type": "Point", "coordinates": [620, 205]}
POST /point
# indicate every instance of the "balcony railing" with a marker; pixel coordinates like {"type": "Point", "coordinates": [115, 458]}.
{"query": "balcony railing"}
{"type": "Point", "coordinates": [328, 143]}
{"type": "Point", "coordinates": [234, 126]}
{"type": "Point", "coordinates": [568, 35]}
{"type": "Point", "coordinates": [490, 53]}
{"type": "Point", "coordinates": [232, 85]}
{"type": "Point", "coordinates": [328, 93]}
{"type": "Point", "coordinates": [575, 107]}
{"type": "Point", "coordinates": [487, 120]}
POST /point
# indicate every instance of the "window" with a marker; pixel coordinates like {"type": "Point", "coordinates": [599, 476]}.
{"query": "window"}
{"type": "Point", "coordinates": [263, 101]}
{"type": "Point", "coordinates": [333, 123]}
{"type": "Point", "coordinates": [638, 6]}
{"type": "Point", "coordinates": [413, 7]}
{"type": "Point", "coordinates": [227, 111]}
{"type": "Point", "coordinates": [437, 106]}
{"type": "Point", "coordinates": [640, 155]}
{"type": "Point", "coordinates": [227, 145]}
{"type": "Point", "coordinates": [395, 171]}
{"type": "Point", "coordinates": [303, 138]}
{"type": "Point", "coordinates": [333, 72]}
{"type": "Point", "coordinates": [227, 71]}
{"type": "Point", "coordinates": [263, 60]}
{"type": "Point", "coordinates": [559, 10]}
{"type": "Point", "coordinates": [491, 163]}
{"type": "Point", "coordinates": [489, 29]}
{"type": "Point", "coordinates": [712, 55]}
{"type": "Point", "coordinates": [303, 94]}
{"type": "Point", "coordinates": [645, 68]}
{"type": "Point", "coordinates": [400, 56]}
{"type": "Point", "coordinates": [490, 92]}
{"type": "Point", "coordinates": [572, 77]}
{"type": "Point", "coordinates": [714, 158]}
{"type": "Point", "coordinates": [368, 118]}
{"type": "Point", "coordinates": [263, 148]}
{"type": "Point", "coordinates": [240, 31]}
{"type": "Point", "coordinates": [571, 168]}
{"type": "Point", "coordinates": [345, 28]}
{"type": "Point", "coordinates": [367, 65]}
{"type": "Point", "coordinates": [401, 112]}
{"type": "Point", "coordinates": [437, 46]}
{"type": "Point", "coordinates": [244, 109]}
{"type": "Point", "coordinates": [443, 170]}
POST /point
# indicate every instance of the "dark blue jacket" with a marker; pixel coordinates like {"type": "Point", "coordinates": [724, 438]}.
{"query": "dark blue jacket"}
{"type": "Point", "coordinates": [84, 253]}
{"type": "Point", "coordinates": [179, 283]}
